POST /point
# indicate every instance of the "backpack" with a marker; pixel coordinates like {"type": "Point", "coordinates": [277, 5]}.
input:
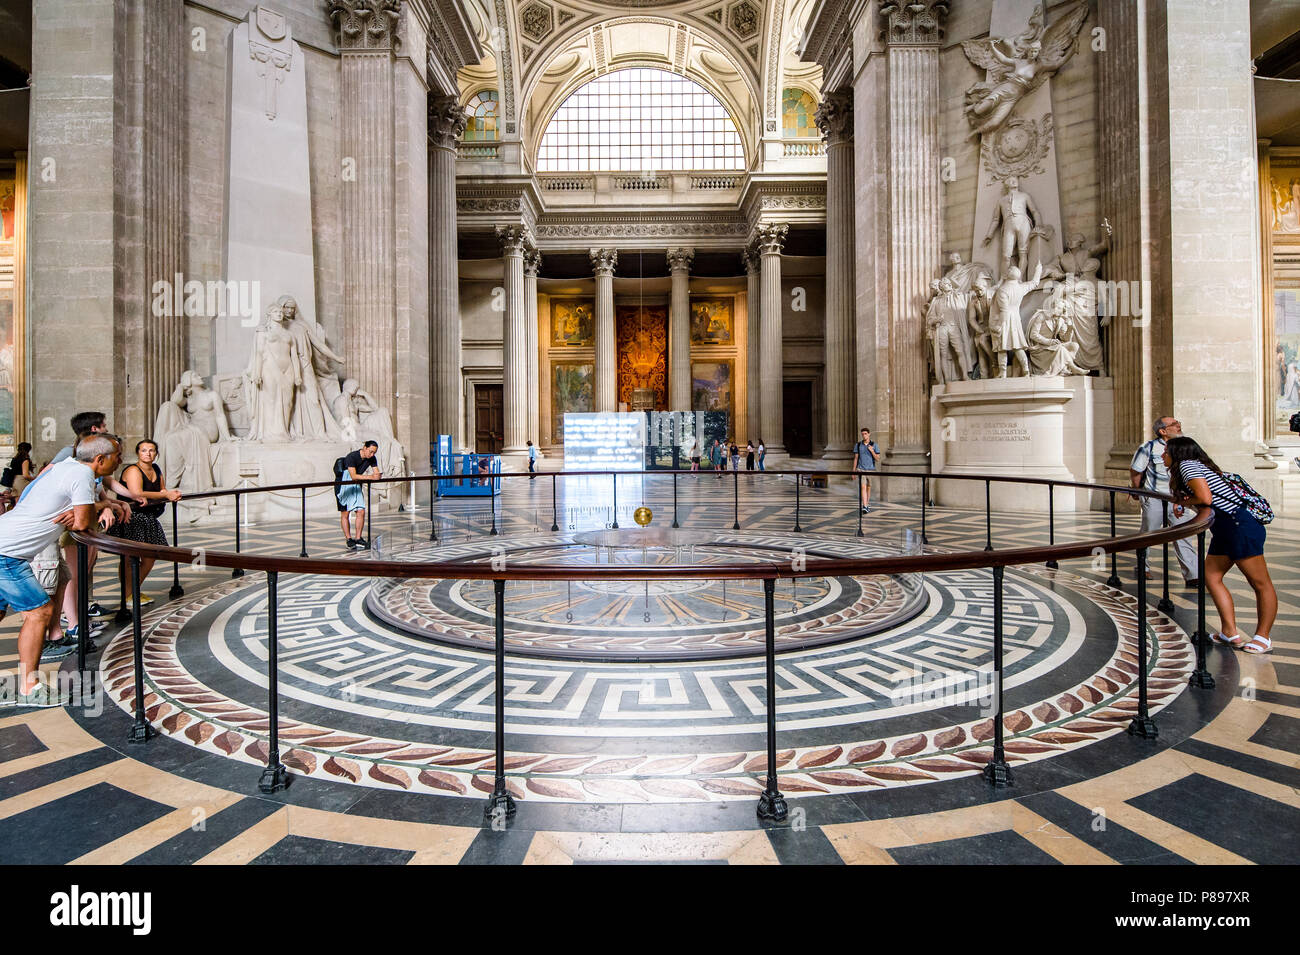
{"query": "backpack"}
{"type": "Point", "coordinates": [340, 466]}
{"type": "Point", "coordinates": [1254, 501]}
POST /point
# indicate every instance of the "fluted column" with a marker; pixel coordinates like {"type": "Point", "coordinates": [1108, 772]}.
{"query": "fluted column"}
{"type": "Point", "coordinates": [771, 401]}
{"type": "Point", "coordinates": [532, 265]}
{"type": "Point", "coordinates": [515, 243]}
{"type": "Point", "coordinates": [22, 427]}
{"type": "Point", "coordinates": [679, 330]}
{"type": "Point", "coordinates": [916, 217]}
{"type": "Point", "coordinates": [446, 126]}
{"type": "Point", "coordinates": [753, 376]}
{"type": "Point", "coordinates": [835, 119]}
{"type": "Point", "coordinates": [603, 262]}
{"type": "Point", "coordinates": [367, 33]}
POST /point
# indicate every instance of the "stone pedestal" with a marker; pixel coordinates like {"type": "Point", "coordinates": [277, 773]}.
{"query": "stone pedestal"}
{"type": "Point", "coordinates": [1042, 427]}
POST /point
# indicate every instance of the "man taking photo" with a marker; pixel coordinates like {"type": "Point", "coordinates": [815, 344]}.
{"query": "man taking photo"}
{"type": "Point", "coordinates": [866, 458]}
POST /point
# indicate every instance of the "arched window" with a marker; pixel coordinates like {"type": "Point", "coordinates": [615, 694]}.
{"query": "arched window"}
{"type": "Point", "coordinates": [797, 110]}
{"type": "Point", "coordinates": [640, 119]}
{"type": "Point", "coordinates": [482, 111]}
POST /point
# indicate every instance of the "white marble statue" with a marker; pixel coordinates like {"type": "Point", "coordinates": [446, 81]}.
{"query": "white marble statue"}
{"type": "Point", "coordinates": [1016, 219]}
{"type": "Point", "coordinates": [945, 323]}
{"type": "Point", "coordinates": [312, 417]}
{"type": "Point", "coordinates": [189, 429]}
{"type": "Point", "coordinates": [1006, 334]}
{"type": "Point", "coordinates": [1018, 65]}
{"type": "Point", "coordinates": [361, 418]}
{"type": "Point", "coordinates": [978, 304]}
{"type": "Point", "coordinates": [286, 398]}
{"type": "Point", "coordinates": [1074, 277]}
{"type": "Point", "coordinates": [1052, 348]}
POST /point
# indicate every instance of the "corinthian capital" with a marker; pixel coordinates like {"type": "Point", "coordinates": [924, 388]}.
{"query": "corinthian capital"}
{"type": "Point", "coordinates": [751, 259]}
{"type": "Point", "coordinates": [914, 21]}
{"type": "Point", "coordinates": [834, 117]}
{"type": "Point", "coordinates": [447, 121]}
{"type": "Point", "coordinates": [365, 24]}
{"type": "Point", "coordinates": [514, 239]}
{"type": "Point", "coordinates": [771, 238]}
{"type": "Point", "coordinates": [603, 261]}
{"type": "Point", "coordinates": [532, 262]}
{"type": "Point", "coordinates": [680, 259]}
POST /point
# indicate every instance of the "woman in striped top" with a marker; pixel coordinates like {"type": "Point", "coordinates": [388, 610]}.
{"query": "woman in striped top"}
{"type": "Point", "coordinates": [1236, 539]}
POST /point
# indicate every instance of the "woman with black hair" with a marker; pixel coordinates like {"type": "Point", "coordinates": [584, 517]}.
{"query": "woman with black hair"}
{"type": "Point", "coordinates": [1237, 538]}
{"type": "Point", "coordinates": [20, 466]}
{"type": "Point", "coordinates": [145, 480]}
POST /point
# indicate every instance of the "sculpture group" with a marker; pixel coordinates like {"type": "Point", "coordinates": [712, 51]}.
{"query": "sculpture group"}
{"type": "Point", "coordinates": [290, 391]}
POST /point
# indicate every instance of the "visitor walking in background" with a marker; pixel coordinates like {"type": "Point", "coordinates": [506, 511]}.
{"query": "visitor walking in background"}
{"type": "Point", "coordinates": [718, 457]}
{"type": "Point", "coordinates": [1237, 538]}
{"type": "Point", "coordinates": [693, 452]}
{"type": "Point", "coordinates": [1147, 471]}
{"type": "Point", "coordinates": [866, 455]}
{"type": "Point", "coordinates": [762, 453]}
{"type": "Point", "coordinates": [749, 455]}
{"type": "Point", "coordinates": [735, 456]}
{"type": "Point", "coordinates": [532, 460]}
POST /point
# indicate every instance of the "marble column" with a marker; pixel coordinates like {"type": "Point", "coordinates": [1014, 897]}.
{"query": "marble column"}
{"type": "Point", "coordinates": [913, 36]}
{"type": "Point", "coordinates": [603, 262]}
{"type": "Point", "coordinates": [771, 401]}
{"type": "Point", "coordinates": [532, 265]}
{"type": "Point", "coordinates": [835, 119]}
{"type": "Point", "coordinates": [515, 244]}
{"type": "Point", "coordinates": [753, 377]}
{"type": "Point", "coordinates": [22, 427]}
{"type": "Point", "coordinates": [679, 330]}
{"type": "Point", "coordinates": [366, 36]}
{"type": "Point", "coordinates": [446, 125]}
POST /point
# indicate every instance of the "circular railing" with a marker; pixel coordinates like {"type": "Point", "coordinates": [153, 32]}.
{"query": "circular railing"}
{"type": "Point", "coordinates": [771, 803]}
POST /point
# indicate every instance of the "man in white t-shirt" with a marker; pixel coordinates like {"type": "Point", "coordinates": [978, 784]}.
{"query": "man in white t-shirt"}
{"type": "Point", "coordinates": [62, 498]}
{"type": "Point", "coordinates": [1147, 471]}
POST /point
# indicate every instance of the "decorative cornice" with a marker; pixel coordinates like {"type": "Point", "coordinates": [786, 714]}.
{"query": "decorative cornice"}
{"type": "Point", "coordinates": [365, 24]}
{"type": "Point", "coordinates": [643, 230]}
{"type": "Point", "coordinates": [680, 259]}
{"type": "Point", "coordinates": [452, 44]}
{"type": "Point", "coordinates": [447, 121]}
{"type": "Point", "coordinates": [914, 22]}
{"type": "Point", "coordinates": [834, 117]}
{"type": "Point", "coordinates": [603, 261]}
{"type": "Point", "coordinates": [793, 202]}
{"type": "Point", "coordinates": [490, 205]}
{"type": "Point", "coordinates": [514, 239]}
{"type": "Point", "coordinates": [771, 238]}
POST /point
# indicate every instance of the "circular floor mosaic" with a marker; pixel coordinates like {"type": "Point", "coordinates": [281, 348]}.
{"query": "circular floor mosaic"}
{"type": "Point", "coordinates": [649, 620]}
{"type": "Point", "coordinates": [364, 703]}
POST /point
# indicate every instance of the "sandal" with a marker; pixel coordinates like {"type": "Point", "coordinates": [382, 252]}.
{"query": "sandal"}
{"type": "Point", "coordinates": [1258, 645]}
{"type": "Point", "coordinates": [1236, 642]}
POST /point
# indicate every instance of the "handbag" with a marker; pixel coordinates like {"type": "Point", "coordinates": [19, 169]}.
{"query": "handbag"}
{"type": "Point", "coordinates": [1254, 501]}
{"type": "Point", "coordinates": [7, 478]}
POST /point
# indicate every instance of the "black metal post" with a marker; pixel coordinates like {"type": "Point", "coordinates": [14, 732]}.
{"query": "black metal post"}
{"type": "Point", "coordinates": [925, 499]}
{"type": "Point", "coordinates": [1142, 724]}
{"type": "Point", "coordinates": [303, 551]}
{"type": "Point", "coordinates": [1201, 677]}
{"type": "Point", "coordinates": [555, 511]}
{"type": "Point", "coordinates": [1113, 580]}
{"type": "Point", "coordinates": [735, 500]}
{"type": "Point", "coordinates": [771, 804]}
{"type": "Point", "coordinates": [1051, 522]}
{"type": "Point", "coordinates": [433, 494]}
{"type": "Point", "coordinates": [123, 614]}
{"type": "Point", "coordinates": [988, 515]}
{"type": "Point", "coordinates": [797, 528]}
{"type": "Point", "coordinates": [858, 508]}
{"type": "Point", "coordinates": [238, 571]}
{"type": "Point", "coordinates": [369, 513]}
{"type": "Point", "coordinates": [500, 801]}
{"type": "Point", "coordinates": [492, 498]}
{"type": "Point", "coordinates": [275, 777]}
{"type": "Point", "coordinates": [614, 525]}
{"type": "Point", "coordinates": [996, 771]}
{"type": "Point", "coordinates": [141, 731]}
{"type": "Point", "coordinates": [675, 524]}
{"type": "Point", "coordinates": [83, 605]}
{"type": "Point", "coordinates": [177, 590]}
{"type": "Point", "coordinates": [1165, 605]}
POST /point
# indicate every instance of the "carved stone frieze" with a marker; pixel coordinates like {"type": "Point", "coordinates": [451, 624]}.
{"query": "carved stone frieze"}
{"type": "Point", "coordinates": [744, 19]}
{"type": "Point", "coordinates": [536, 21]}
{"type": "Point", "coordinates": [635, 230]}
{"type": "Point", "coordinates": [489, 205]}
{"type": "Point", "coordinates": [1019, 148]}
{"type": "Point", "coordinates": [793, 202]}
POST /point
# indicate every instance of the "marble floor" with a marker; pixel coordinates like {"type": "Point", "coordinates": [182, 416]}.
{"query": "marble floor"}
{"type": "Point", "coordinates": [882, 730]}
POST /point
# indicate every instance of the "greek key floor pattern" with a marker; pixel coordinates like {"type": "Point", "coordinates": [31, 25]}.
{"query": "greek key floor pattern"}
{"type": "Point", "coordinates": [881, 736]}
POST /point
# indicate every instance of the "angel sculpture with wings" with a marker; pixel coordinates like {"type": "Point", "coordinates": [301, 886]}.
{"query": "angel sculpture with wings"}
{"type": "Point", "coordinates": [1018, 65]}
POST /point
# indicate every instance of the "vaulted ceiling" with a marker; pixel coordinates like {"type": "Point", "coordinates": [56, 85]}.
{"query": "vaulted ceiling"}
{"type": "Point", "coordinates": [541, 50]}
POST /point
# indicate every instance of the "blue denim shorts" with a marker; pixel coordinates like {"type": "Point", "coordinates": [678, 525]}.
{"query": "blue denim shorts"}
{"type": "Point", "coordinates": [19, 589]}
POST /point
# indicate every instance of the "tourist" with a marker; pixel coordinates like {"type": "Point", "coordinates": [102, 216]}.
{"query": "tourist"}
{"type": "Point", "coordinates": [1237, 539]}
{"type": "Point", "coordinates": [357, 466]}
{"type": "Point", "coordinates": [717, 458]}
{"type": "Point", "coordinates": [1147, 471]}
{"type": "Point", "coordinates": [20, 468]}
{"type": "Point", "coordinates": [749, 455]}
{"type": "Point", "coordinates": [693, 452]}
{"type": "Point", "coordinates": [735, 456]}
{"type": "Point", "coordinates": [532, 460]}
{"type": "Point", "coordinates": [145, 480]}
{"type": "Point", "coordinates": [866, 457]}
{"type": "Point", "coordinates": [63, 497]}
{"type": "Point", "coordinates": [762, 453]}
